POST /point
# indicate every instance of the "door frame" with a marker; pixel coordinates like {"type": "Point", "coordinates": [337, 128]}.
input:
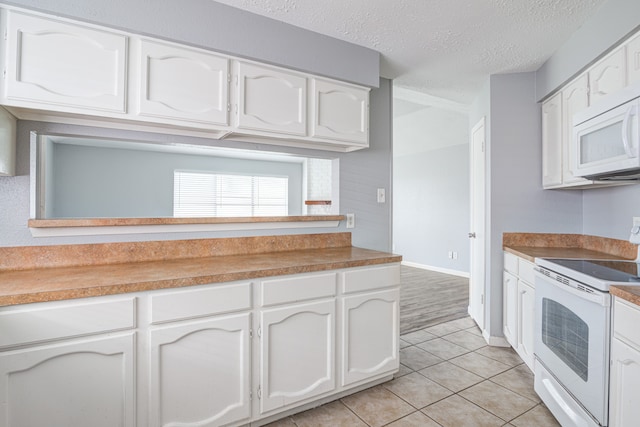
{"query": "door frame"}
{"type": "Point", "coordinates": [478, 226]}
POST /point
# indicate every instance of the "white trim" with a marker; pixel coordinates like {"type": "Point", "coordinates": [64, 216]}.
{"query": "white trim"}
{"type": "Point", "coordinates": [495, 341]}
{"type": "Point", "coordinates": [424, 99]}
{"type": "Point", "coordinates": [175, 228]}
{"type": "Point", "coordinates": [437, 269]}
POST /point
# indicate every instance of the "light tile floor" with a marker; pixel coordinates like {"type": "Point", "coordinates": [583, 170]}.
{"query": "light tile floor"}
{"type": "Point", "coordinates": [448, 377]}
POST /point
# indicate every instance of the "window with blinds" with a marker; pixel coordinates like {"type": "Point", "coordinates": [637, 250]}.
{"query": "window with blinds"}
{"type": "Point", "coordinates": [204, 194]}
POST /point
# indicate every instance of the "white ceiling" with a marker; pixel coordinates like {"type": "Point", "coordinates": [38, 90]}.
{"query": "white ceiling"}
{"type": "Point", "coordinates": [444, 48]}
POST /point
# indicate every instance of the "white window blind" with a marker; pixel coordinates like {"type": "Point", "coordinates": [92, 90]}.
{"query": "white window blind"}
{"type": "Point", "coordinates": [204, 194]}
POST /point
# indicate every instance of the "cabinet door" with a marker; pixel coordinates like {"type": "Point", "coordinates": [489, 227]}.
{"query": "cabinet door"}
{"type": "Point", "coordinates": [297, 353]}
{"type": "Point", "coordinates": [575, 98]}
{"type": "Point", "coordinates": [271, 100]}
{"type": "Point", "coordinates": [8, 126]}
{"type": "Point", "coordinates": [68, 67]}
{"type": "Point", "coordinates": [510, 308]}
{"type": "Point", "coordinates": [200, 372]}
{"type": "Point", "coordinates": [183, 84]}
{"type": "Point", "coordinates": [341, 112]}
{"type": "Point", "coordinates": [526, 324]}
{"type": "Point", "coordinates": [633, 60]}
{"type": "Point", "coordinates": [552, 141]}
{"type": "Point", "coordinates": [624, 410]}
{"type": "Point", "coordinates": [370, 335]}
{"type": "Point", "coordinates": [87, 382]}
{"type": "Point", "coordinates": [608, 75]}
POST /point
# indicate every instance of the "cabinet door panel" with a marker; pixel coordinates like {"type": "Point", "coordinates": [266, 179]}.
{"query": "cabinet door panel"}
{"type": "Point", "coordinates": [526, 322]}
{"type": "Point", "coordinates": [86, 383]}
{"type": "Point", "coordinates": [271, 100]}
{"type": "Point", "coordinates": [633, 60]}
{"type": "Point", "coordinates": [370, 335]}
{"type": "Point", "coordinates": [182, 83]}
{"type": "Point", "coordinates": [341, 112]}
{"type": "Point", "coordinates": [64, 64]}
{"type": "Point", "coordinates": [552, 141]}
{"type": "Point", "coordinates": [575, 98]}
{"type": "Point", "coordinates": [297, 353]}
{"type": "Point", "coordinates": [200, 372]}
{"type": "Point", "coordinates": [625, 383]}
{"type": "Point", "coordinates": [510, 308]}
{"type": "Point", "coordinates": [608, 75]}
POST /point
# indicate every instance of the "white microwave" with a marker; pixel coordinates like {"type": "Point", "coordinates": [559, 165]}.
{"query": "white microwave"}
{"type": "Point", "coordinates": [606, 138]}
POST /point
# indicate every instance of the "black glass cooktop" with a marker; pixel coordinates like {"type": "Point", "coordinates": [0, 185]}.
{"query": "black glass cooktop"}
{"type": "Point", "coordinates": [606, 270]}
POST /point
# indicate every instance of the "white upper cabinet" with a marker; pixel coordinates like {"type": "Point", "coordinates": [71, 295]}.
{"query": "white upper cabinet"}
{"type": "Point", "coordinates": [341, 112]}
{"type": "Point", "coordinates": [575, 98]}
{"type": "Point", "coordinates": [69, 66]}
{"type": "Point", "coordinates": [271, 100]}
{"type": "Point", "coordinates": [8, 125]}
{"type": "Point", "coordinates": [176, 82]}
{"type": "Point", "coordinates": [633, 60]}
{"type": "Point", "coordinates": [608, 75]}
{"type": "Point", "coordinates": [552, 141]}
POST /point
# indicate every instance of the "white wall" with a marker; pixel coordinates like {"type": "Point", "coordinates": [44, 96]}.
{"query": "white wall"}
{"type": "Point", "coordinates": [431, 188]}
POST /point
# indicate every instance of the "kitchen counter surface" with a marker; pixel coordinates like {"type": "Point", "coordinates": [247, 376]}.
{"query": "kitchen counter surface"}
{"type": "Point", "coordinates": [629, 293]}
{"type": "Point", "coordinates": [51, 273]}
{"type": "Point", "coordinates": [531, 253]}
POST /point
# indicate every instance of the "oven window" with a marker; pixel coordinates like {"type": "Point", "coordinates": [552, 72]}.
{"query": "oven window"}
{"type": "Point", "coordinates": [567, 335]}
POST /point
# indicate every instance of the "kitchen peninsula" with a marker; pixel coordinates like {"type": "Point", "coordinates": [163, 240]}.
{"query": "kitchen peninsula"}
{"type": "Point", "coordinates": [253, 327]}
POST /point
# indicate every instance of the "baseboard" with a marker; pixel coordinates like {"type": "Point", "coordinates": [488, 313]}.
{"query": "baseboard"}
{"type": "Point", "coordinates": [437, 269]}
{"type": "Point", "coordinates": [495, 341]}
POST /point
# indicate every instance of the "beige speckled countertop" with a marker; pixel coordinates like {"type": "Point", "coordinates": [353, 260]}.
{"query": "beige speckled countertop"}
{"type": "Point", "coordinates": [161, 265]}
{"type": "Point", "coordinates": [545, 245]}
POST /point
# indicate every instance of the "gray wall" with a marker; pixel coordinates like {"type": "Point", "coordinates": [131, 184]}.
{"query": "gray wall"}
{"type": "Point", "coordinates": [211, 25]}
{"type": "Point", "coordinates": [515, 198]}
{"type": "Point", "coordinates": [109, 182]}
{"type": "Point", "coordinates": [614, 20]}
{"type": "Point", "coordinates": [431, 207]}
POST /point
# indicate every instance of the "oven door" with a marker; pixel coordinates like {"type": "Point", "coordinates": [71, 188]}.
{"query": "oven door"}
{"type": "Point", "coordinates": [572, 340]}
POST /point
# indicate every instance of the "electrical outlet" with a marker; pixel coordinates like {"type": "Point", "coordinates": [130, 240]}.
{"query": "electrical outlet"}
{"type": "Point", "coordinates": [635, 231]}
{"type": "Point", "coordinates": [381, 195]}
{"type": "Point", "coordinates": [455, 255]}
{"type": "Point", "coordinates": [351, 220]}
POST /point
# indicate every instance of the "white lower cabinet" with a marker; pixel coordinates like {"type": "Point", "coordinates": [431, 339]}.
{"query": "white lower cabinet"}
{"type": "Point", "coordinates": [526, 322]}
{"type": "Point", "coordinates": [624, 383]}
{"type": "Point", "coordinates": [85, 382]}
{"type": "Point", "coordinates": [518, 311]}
{"type": "Point", "coordinates": [226, 354]}
{"type": "Point", "coordinates": [297, 353]}
{"type": "Point", "coordinates": [200, 372]}
{"type": "Point", "coordinates": [370, 332]}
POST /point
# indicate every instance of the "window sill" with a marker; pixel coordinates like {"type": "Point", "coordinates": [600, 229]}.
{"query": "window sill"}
{"type": "Point", "coordinates": [114, 226]}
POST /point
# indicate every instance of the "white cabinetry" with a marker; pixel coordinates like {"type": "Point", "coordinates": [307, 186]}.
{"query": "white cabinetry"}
{"type": "Point", "coordinates": [7, 143]}
{"type": "Point", "coordinates": [633, 60]}
{"type": "Point", "coordinates": [69, 67]}
{"type": "Point", "coordinates": [519, 306]}
{"type": "Point", "coordinates": [209, 357]}
{"type": "Point", "coordinates": [575, 98]}
{"type": "Point", "coordinates": [341, 112]}
{"type": "Point", "coordinates": [552, 131]}
{"type": "Point", "coordinates": [183, 84]}
{"type": "Point", "coordinates": [271, 100]}
{"type": "Point", "coordinates": [70, 72]}
{"type": "Point", "coordinates": [608, 75]}
{"type": "Point", "coordinates": [50, 377]}
{"type": "Point", "coordinates": [510, 299]}
{"type": "Point", "coordinates": [297, 339]}
{"type": "Point", "coordinates": [625, 365]}
{"type": "Point", "coordinates": [370, 329]}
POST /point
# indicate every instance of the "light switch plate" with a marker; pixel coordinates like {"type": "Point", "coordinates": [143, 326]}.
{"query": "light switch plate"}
{"type": "Point", "coordinates": [634, 237]}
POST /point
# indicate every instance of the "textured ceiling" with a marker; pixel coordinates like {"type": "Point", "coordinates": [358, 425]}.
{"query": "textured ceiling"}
{"type": "Point", "coordinates": [444, 48]}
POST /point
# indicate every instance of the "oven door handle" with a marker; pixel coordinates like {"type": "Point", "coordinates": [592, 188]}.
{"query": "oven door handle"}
{"type": "Point", "coordinates": [598, 297]}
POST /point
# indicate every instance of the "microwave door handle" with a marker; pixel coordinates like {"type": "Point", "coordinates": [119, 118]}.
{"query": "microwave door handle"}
{"type": "Point", "coordinates": [625, 131]}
